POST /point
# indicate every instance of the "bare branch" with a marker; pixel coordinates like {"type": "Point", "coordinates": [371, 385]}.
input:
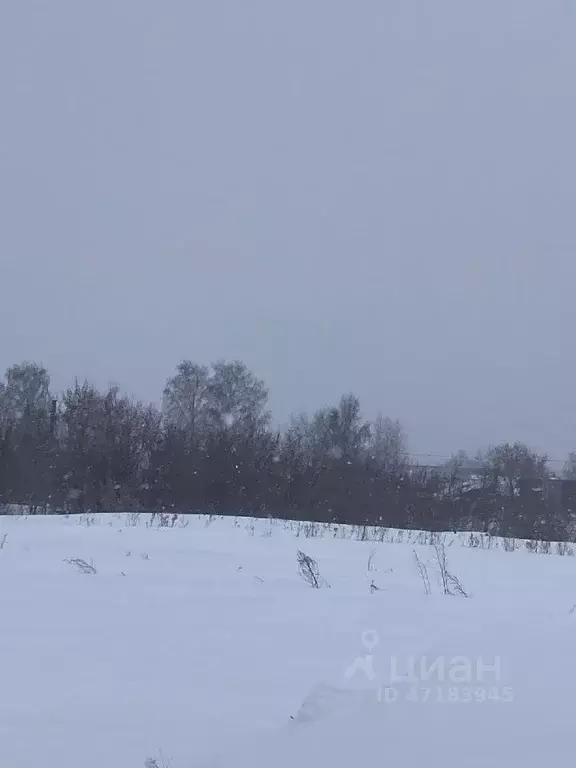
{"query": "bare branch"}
{"type": "Point", "coordinates": [82, 565]}
{"type": "Point", "coordinates": [423, 571]}
{"type": "Point", "coordinates": [309, 571]}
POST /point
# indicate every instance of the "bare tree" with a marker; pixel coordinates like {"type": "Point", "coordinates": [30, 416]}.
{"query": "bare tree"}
{"type": "Point", "coordinates": [569, 470]}
{"type": "Point", "coordinates": [388, 446]}
{"type": "Point", "coordinates": [337, 433]}
{"type": "Point", "coordinates": [26, 435]}
{"type": "Point", "coordinates": [237, 398]}
{"type": "Point", "coordinates": [26, 390]}
{"type": "Point", "coordinates": [187, 399]}
{"type": "Point", "coordinates": [513, 463]}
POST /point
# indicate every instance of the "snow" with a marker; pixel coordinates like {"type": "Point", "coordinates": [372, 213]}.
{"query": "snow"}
{"type": "Point", "coordinates": [204, 644]}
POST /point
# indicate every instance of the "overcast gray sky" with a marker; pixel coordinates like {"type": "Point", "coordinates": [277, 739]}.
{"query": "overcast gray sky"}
{"type": "Point", "coordinates": [366, 195]}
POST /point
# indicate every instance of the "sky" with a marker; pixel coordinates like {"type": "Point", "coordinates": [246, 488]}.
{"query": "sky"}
{"type": "Point", "coordinates": [374, 196]}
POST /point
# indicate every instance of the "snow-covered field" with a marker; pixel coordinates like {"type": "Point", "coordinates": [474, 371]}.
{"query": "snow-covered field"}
{"type": "Point", "coordinates": [202, 645]}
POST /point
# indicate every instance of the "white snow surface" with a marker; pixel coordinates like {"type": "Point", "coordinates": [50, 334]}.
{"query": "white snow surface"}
{"type": "Point", "coordinates": [202, 647]}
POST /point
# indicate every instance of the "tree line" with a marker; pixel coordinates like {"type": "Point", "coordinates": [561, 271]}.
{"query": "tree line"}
{"type": "Point", "coordinates": [211, 447]}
